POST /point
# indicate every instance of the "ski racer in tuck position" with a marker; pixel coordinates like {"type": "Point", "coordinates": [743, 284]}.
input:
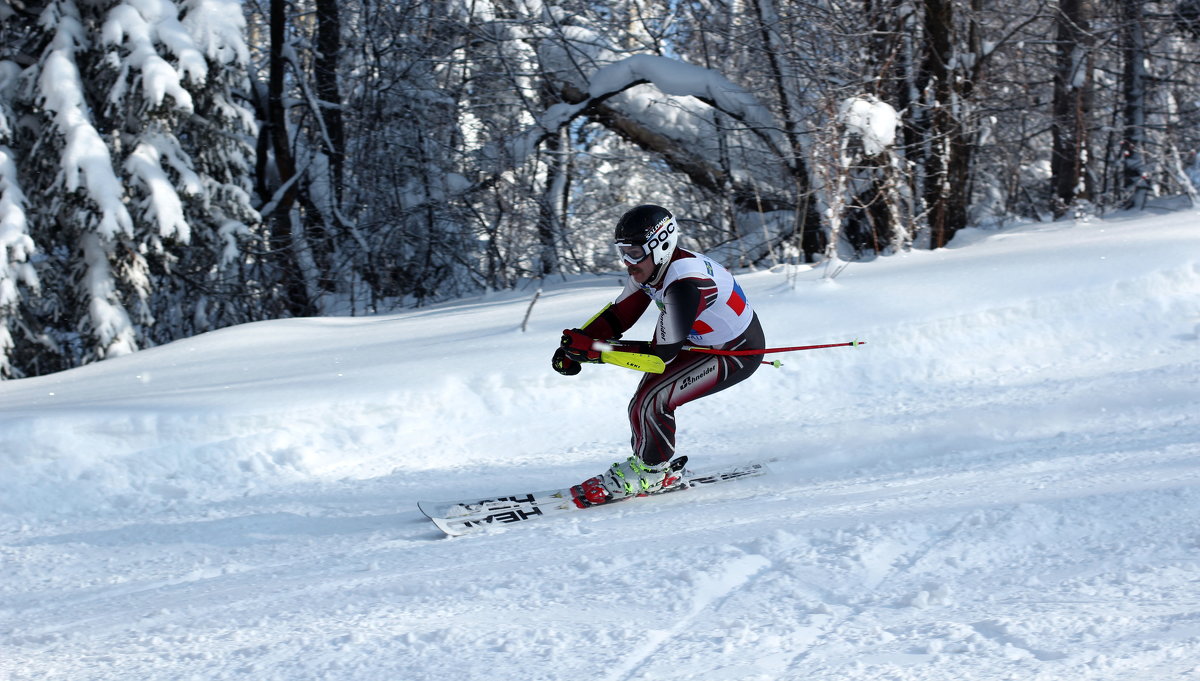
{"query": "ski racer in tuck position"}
{"type": "Point", "coordinates": [700, 304]}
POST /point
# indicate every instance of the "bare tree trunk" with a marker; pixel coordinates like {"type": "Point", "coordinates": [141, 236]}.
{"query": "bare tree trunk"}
{"type": "Point", "coordinates": [808, 221]}
{"type": "Point", "coordinates": [284, 244]}
{"type": "Point", "coordinates": [325, 75]}
{"type": "Point", "coordinates": [1133, 144]}
{"type": "Point", "coordinates": [1070, 177]}
{"type": "Point", "coordinates": [948, 163]}
{"type": "Point", "coordinates": [549, 226]}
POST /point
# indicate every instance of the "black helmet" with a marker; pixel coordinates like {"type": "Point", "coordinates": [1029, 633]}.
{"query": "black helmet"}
{"type": "Point", "coordinates": [647, 230]}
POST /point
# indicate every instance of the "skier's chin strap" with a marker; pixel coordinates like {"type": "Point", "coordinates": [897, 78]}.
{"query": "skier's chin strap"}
{"type": "Point", "coordinates": [660, 269]}
{"type": "Point", "coordinates": [656, 275]}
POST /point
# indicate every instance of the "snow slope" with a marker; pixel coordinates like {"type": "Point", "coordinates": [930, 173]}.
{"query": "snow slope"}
{"type": "Point", "coordinates": [1004, 483]}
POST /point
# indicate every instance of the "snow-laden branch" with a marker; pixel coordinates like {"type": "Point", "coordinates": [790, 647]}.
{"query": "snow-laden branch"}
{"type": "Point", "coordinates": [86, 162]}
{"type": "Point", "coordinates": [110, 322]}
{"type": "Point", "coordinates": [872, 120]}
{"type": "Point", "coordinates": [140, 26]}
{"type": "Point", "coordinates": [218, 29]}
{"type": "Point", "coordinates": [15, 243]}
{"type": "Point", "coordinates": [15, 248]}
{"type": "Point", "coordinates": [163, 204]}
{"type": "Point", "coordinates": [669, 76]}
{"type": "Point", "coordinates": [678, 78]}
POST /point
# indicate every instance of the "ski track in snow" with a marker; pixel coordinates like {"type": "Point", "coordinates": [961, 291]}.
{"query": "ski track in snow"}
{"type": "Point", "coordinates": [1003, 484]}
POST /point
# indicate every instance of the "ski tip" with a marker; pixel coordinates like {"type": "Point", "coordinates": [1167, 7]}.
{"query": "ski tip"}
{"type": "Point", "coordinates": [449, 528]}
{"type": "Point", "coordinates": [435, 509]}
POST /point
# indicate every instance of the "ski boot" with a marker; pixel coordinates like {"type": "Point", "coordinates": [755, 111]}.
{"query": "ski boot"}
{"type": "Point", "coordinates": [629, 478]}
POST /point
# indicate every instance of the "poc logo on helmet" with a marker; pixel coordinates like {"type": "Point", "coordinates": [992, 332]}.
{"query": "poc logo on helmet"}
{"type": "Point", "coordinates": [661, 232]}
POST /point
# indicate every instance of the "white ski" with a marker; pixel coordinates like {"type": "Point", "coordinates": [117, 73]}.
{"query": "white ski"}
{"type": "Point", "coordinates": [461, 517]}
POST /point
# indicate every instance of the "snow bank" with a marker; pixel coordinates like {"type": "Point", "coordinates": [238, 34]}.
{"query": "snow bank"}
{"type": "Point", "coordinates": [448, 389]}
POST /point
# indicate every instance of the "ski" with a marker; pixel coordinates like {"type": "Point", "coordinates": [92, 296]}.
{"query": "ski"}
{"type": "Point", "coordinates": [457, 518]}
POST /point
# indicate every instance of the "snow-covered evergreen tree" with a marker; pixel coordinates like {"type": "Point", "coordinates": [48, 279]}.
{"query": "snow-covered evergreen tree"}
{"type": "Point", "coordinates": [16, 246]}
{"type": "Point", "coordinates": [134, 155]}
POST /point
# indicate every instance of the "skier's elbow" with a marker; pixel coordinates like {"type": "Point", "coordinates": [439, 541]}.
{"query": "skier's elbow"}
{"type": "Point", "coordinates": [669, 351]}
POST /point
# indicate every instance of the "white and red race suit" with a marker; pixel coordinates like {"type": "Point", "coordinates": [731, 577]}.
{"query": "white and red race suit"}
{"type": "Point", "coordinates": [700, 304]}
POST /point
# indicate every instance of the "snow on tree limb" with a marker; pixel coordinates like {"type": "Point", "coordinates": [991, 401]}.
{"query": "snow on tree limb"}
{"type": "Point", "coordinates": [217, 29]}
{"type": "Point", "coordinates": [669, 76]}
{"type": "Point", "coordinates": [681, 79]}
{"type": "Point", "coordinates": [110, 322]}
{"type": "Point", "coordinates": [86, 162]}
{"type": "Point", "coordinates": [140, 29]}
{"type": "Point", "coordinates": [163, 204]}
{"type": "Point", "coordinates": [874, 121]}
{"type": "Point", "coordinates": [16, 246]}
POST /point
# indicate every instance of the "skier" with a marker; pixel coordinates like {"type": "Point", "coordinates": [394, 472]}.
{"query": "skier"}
{"type": "Point", "coordinates": [700, 304]}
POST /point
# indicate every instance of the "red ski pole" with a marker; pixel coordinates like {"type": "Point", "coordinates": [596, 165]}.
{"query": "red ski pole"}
{"type": "Point", "coordinates": [766, 351]}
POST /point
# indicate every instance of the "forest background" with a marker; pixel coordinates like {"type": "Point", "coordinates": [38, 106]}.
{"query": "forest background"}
{"type": "Point", "coordinates": [169, 167]}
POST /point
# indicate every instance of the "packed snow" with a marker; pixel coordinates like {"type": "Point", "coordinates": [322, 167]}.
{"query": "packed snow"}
{"type": "Point", "coordinates": [1002, 483]}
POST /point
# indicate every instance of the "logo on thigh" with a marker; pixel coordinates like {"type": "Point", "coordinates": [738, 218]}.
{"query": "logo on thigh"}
{"type": "Point", "coordinates": [690, 380]}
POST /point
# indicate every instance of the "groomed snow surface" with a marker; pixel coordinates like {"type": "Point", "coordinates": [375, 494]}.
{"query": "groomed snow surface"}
{"type": "Point", "coordinates": [1003, 483]}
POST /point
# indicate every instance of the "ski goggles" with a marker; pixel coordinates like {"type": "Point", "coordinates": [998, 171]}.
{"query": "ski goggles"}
{"type": "Point", "coordinates": [633, 254]}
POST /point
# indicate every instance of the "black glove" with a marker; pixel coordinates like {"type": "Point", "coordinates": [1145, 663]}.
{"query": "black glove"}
{"type": "Point", "coordinates": [578, 347]}
{"type": "Point", "coordinates": [563, 364]}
